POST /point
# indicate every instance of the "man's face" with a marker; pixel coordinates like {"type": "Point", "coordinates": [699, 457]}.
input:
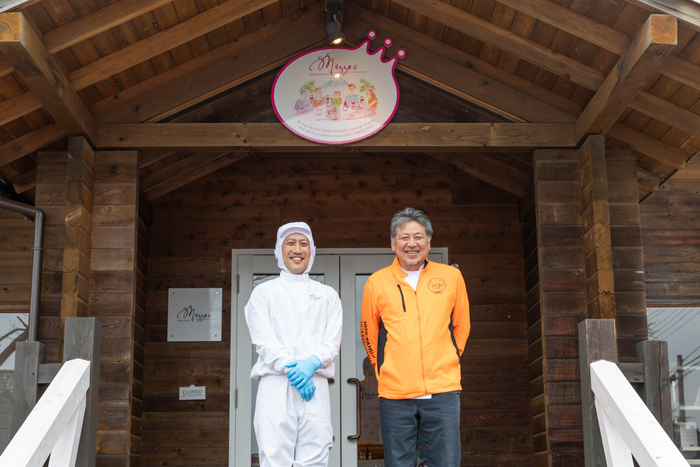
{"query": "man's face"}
{"type": "Point", "coordinates": [296, 253]}
{"type": "Point", "coordinates": [411, 245]}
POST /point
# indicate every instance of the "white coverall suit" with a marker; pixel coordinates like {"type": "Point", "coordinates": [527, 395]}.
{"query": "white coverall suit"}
{"type": "Point", "coordinates": [290, 318]}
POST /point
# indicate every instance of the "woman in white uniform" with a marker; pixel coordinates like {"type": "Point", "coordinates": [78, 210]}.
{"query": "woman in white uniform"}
{"type": "Point", "coordinates": [295, 324]}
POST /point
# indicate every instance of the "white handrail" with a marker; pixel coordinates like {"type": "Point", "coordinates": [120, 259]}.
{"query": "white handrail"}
{"type": "Point", "coordinates": [627, 426]}
{"type": "Point", "coordinates": [54, 425]}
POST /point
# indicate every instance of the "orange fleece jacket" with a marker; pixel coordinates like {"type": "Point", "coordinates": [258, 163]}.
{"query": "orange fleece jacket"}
{"type": "Point", "coordinates": [414, 339]}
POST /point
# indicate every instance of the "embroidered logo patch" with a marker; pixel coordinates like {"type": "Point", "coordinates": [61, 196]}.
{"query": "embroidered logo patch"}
{"type": "Point", "coordinates": [437, 285]}
{"type": "Point", "coordinates": [314, 297]}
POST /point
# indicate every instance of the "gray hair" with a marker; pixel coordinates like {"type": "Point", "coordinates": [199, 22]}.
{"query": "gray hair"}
{"type": "Point", "coordinates": [407, 215]}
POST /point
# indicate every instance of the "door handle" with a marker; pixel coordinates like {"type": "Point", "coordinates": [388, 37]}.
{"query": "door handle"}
{"type": "Point", "coordinates": [359, 416]}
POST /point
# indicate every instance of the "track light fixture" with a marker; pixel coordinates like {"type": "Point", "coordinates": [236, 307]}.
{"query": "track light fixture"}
{"type": "Point", "coordinates": [335, 34]}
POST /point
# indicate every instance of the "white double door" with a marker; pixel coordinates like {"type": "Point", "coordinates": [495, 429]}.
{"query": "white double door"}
{"type": "Point", "coordinates": [346, 270]}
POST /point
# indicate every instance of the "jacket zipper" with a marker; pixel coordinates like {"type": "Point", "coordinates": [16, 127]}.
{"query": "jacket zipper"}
{"type": "Point", "coordinates": [402, 300]}
{"type": "Point", "coordinates": [420, 341]}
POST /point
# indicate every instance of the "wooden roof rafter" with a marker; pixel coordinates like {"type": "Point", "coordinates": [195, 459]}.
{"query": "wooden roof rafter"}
{"type": "Point", "coordinates": [215, 71]}
{"type": "Point", "coordinates": [687, 11]}
{"type": "Point", "coordinates": [22, 47]}
{"type": "Point", "coordinates": [653, 42]}
{"type": "Point", "coordinates": [602, 35]}
{"type": "Point", "coordinates": [467, 69]}
{"type": "Point", "coordinates": [164, 41]}
{"type": "Point", "coordinates": [89, 25]}
{"type": "Point", "coordinates": [499, 91]}
{"type": "Point", "coordinates": [192, 170]}
{"type": "Point", "coordinates": [489, 170]}
{"type": "Point", "coordinates": [14, 5]}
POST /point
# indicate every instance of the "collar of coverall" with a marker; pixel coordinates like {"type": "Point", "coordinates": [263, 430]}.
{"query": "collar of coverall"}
{"type": "Point", "coordinates": [285, 231]}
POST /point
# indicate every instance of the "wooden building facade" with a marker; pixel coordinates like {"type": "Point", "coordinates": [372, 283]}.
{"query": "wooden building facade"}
{"type": "Point", "coordinates": [552, 144]}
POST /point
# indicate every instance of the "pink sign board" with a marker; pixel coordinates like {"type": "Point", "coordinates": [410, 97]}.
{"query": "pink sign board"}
{"type": "Point", "coordinates": [337, 95]}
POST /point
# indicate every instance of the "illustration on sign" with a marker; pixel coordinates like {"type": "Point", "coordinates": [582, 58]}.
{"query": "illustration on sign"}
{"type": "Point", "coordinates": [337, 95]}
{"type": "Point", "coordinates": [194, 315]}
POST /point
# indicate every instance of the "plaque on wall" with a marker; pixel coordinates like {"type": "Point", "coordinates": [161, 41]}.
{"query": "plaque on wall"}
{"type": "Point", "coordinates": [194, 315]}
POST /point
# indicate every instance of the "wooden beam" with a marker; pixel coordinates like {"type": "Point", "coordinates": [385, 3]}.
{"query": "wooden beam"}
{"type": "Point", "coordinates": [14, 5]}
{"type": "Point", "coordinates": [648, 180]}
{"type": "Point", "coordinates": [22, 47]}
{"type": "Point", "coordinates": [174, 170]}
{"type": "Point", "coordinates": [18, 107]}
{"type": "Point", "coordinates": [203, 61]}
{"type": "Point", "coordinates": [98, 21]}
{"type": "Point", "coordinates": [506, 40]}
{"type": "Point", "coordinates": [652, 147]}
{"type": "Point", "coordinates": [454, 71]}
{"type": "Point", "coordinates": [89, 25]}
{"type": "Point", "coordinates": [403, 137]}
{"type": "Point", "coordinates": [147, 158]}
{"type": "Point", "coordinates": [667, 112]}
{"type": "Point", "coordinates": [687, 11]}
{"type": "Point", "coordinates": [165, 40]}
{"type": "Point", "coordinates": [235, 63]}
{"type": "Point", "coordinates": [653, 42]}
{"type": "Point", "coordinates": [601, 35]}
{"type": "Point", "coordinates": [535, 104]}
{"type": "Point", "coordinates": [24, 181]}
{"type": "Point", "coordinates": [194, 174]}
{"type": "Point", "coordinates": [489, 170]}
{"type": "Point", "coordinates": [30, 142]}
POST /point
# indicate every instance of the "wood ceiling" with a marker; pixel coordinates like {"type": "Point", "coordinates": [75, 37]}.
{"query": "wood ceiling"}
{"type": "Point", "coordinates": [93, 65]}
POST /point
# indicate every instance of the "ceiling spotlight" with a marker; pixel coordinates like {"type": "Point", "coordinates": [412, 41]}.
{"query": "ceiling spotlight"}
{"type": "Point", "coordinates": [335, 34]}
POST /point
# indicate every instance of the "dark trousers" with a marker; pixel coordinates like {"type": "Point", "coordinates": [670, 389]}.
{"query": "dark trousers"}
{"type": "Point", "coordinates": [438, 421]}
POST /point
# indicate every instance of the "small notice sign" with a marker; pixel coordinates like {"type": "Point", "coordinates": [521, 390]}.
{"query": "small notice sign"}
{"type": "Point", "coordinates": [194, 315]}
{"type": "Point", "coordinates": [193, 393]}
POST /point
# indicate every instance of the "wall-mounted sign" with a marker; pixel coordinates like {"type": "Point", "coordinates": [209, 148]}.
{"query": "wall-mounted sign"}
{"type": "Point", "coordinates": [194, 315]}
{"type": "Point", "coordinates": [193, 393]}
{"type": "Point", "coordinates": [337, 95]}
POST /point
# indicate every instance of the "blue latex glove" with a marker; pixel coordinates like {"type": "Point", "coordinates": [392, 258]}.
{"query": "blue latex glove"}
{"type": "Point", "coordinates": [302, 370]}
{"type": "Point", "coordinates": [307, 389]}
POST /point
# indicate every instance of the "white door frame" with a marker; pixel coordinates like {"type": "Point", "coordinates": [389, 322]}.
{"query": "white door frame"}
{"type": "Point", "coordinates": [238, 320]}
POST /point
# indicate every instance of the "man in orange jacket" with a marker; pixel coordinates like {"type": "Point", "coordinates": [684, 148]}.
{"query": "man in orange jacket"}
{"type": "Point", "coordinates": [415, 324]}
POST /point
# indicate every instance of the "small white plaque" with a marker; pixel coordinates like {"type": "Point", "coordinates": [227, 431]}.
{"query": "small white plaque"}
{"type": "Point", "coordinates": [194, 315]}
{"type": "Point", "coordinates": [193, 393]}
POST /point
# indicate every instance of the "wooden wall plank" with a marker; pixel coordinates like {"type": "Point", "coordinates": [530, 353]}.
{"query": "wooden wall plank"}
{"type": "Point", "coordinates": [670, 229]}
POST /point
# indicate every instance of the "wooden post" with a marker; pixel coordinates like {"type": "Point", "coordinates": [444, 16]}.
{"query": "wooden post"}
{"type": "Point", "coordinates": [28, 357]}
{"type": "Point", "coordinates": [51, 176]}
{"type": "Point", "coordinates": [114, 299]}
{"type": "Point", "coordinates": [656, 391]}
{"type": "Point", "coordinates": [596, 342]}
{"type": "Point", "coordinates": [600, 285]}
{"type": "Point", "coordinates": [82, 340]}
{"type": "Point", "coordinates": [627, 253]}
{"type": "Point", "coordinates": [76, 253]}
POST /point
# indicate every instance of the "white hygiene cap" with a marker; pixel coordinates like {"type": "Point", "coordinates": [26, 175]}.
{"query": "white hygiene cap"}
{"type": "Point", "coordinates": [285, 231]}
